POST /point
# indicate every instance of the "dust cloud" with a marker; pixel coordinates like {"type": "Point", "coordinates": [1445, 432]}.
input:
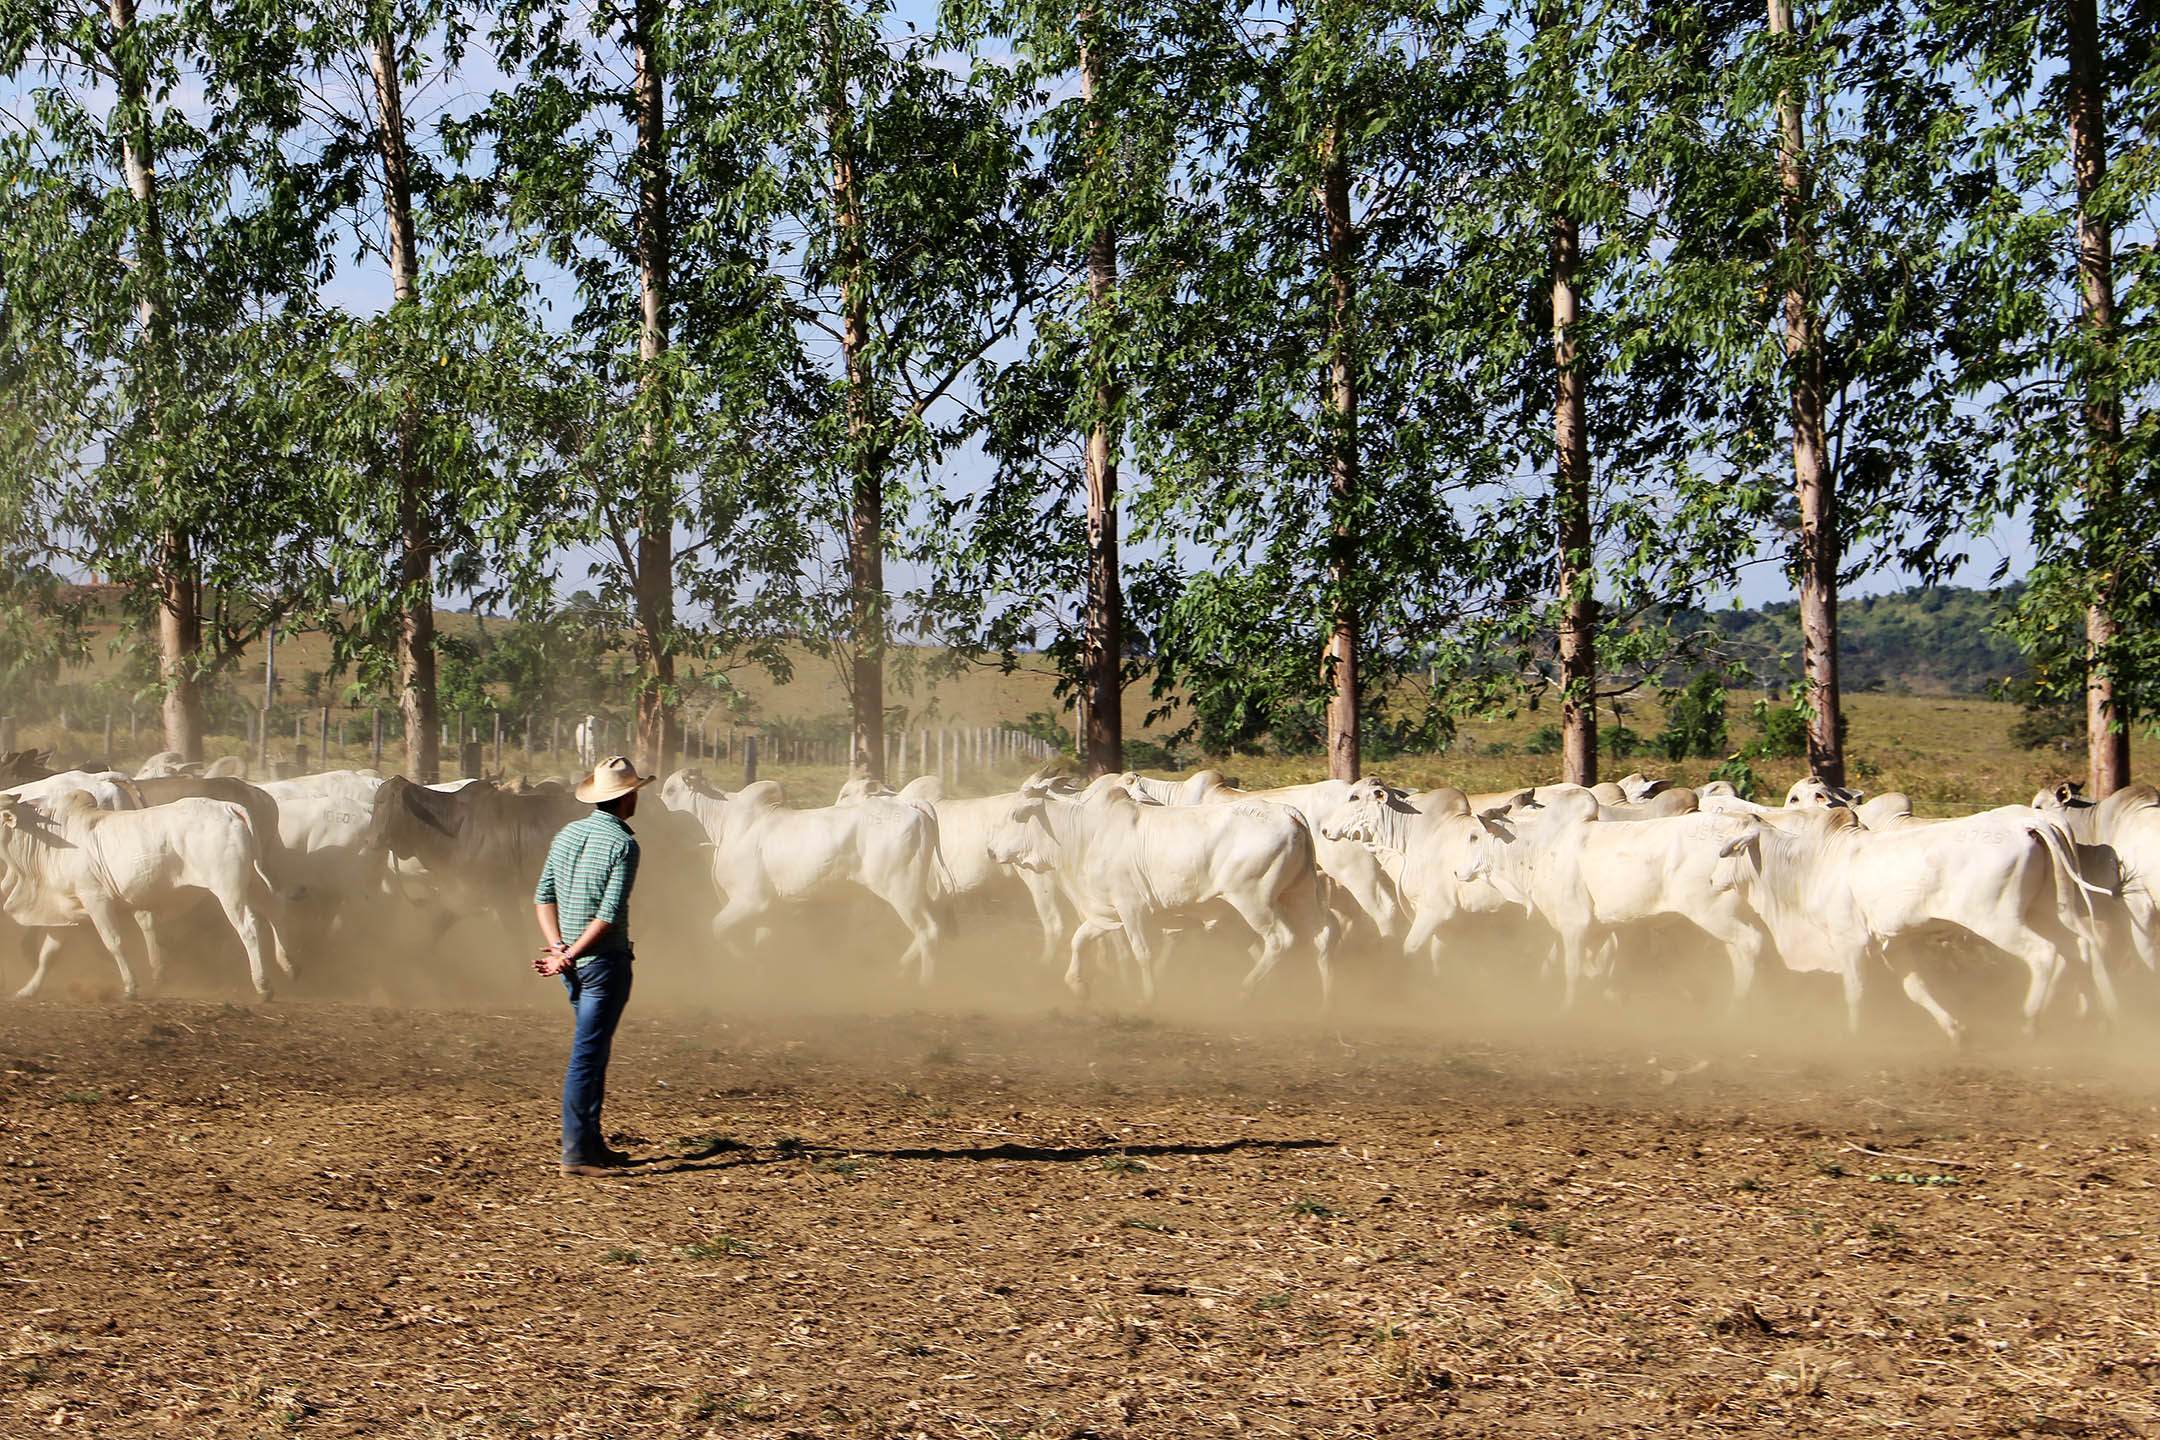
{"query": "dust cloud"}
{"type": "Point", "coordinates": [1666, 999]}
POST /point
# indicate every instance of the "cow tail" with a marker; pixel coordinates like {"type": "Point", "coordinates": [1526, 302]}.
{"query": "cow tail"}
{"type": "Point", "coordinates": [944, 893]}
{"type": "Point", "coordinates": [2064, 858]}
{"type": "Point", "coordinates": [2058, 847]}
{"type": "Point", "coordinates": [1324, 936]}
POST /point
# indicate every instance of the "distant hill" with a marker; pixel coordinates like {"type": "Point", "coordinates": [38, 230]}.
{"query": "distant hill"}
{"type": "Point", "coordinates": [1936, 640]}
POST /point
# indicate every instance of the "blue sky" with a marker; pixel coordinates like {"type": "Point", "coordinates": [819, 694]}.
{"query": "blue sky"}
{"type": "Point", "coordinates": [363, 285]}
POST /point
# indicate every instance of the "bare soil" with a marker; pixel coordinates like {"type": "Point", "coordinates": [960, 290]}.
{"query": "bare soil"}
{"type": "Point", "coordinates": [324, 1218]}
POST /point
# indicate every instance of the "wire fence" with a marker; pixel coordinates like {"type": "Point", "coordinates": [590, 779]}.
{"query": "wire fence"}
{"type": "Point", "coordinates": [490, 744]}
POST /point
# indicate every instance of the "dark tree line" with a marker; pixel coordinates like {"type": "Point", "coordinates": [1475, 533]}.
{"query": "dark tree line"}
{"type": "Point", "coordinates": [1302, 368]}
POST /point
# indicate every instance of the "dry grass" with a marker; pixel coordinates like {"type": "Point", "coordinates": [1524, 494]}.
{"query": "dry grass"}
{"type": "Point", "coordinates": [1947, 752]}
{"type": "Point", "coordinates": [373, 1241]}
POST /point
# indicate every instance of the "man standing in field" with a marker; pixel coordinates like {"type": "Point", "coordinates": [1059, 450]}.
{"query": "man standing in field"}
{"type": "Point", "coordinates": [585, 890]}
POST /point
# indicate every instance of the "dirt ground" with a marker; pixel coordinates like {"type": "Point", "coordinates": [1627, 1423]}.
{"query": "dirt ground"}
{"type": "Point", "coordinates": [321, 1217]}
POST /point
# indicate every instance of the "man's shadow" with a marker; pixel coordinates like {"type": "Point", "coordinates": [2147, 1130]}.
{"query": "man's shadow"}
{"type": "Point", "coordinates": [733, 1154]}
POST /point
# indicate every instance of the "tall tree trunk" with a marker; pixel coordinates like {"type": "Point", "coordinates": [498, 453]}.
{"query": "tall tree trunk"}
{"type": "Point", "coordinates": [654, 581]}
{"type": "Point", "coordinates": [1341, 422]}
{"type": "Point", "coordinates": [1813, 484]}
{"type": "Point", "coordinates": [416, 535]}
{"type": "Point", "coordinates": [179, 594]}
{"type": "Point", "coordinates": [1571, 497]}
{"type": "Point", "coordinates": [1103, 649]}
{"type": "Point", "coordinates": [2107, 738]}
{"type": "Point", "coordinates": [866, 503]}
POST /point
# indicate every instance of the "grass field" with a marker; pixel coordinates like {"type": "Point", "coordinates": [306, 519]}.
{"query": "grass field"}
{"type": "Point", "coordinates": [1947, 752]}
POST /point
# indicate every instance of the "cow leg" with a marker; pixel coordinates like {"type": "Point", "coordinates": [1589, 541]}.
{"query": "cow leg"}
{"type": "Point", "coordinates": [2104, 986]}
{"type": "Point", "coordinates": [1425, 935]}
{"type": "Point", "coordinates": [1605, 963]}
{"type": "Point", "coordinates": [1088, 929]}
{"type": "Point", "coordinates": [105, 919]}
{"type": "Point", "coordinates": [2139, 906]}
{"type": "Point", "coordinates": [1574, 959]}
{"type": "Point", "coordinates": [248, 925]}
{"type": "Point", "coordinates": [146, 921]}
{"type": "Point", "coordinates": [1141, 935]}
{"type": "Point", "coordinates": [1049, 913]}
{"type": "Point", "coordinates": [1277, 937]}
{"type": "Point", "coordinates": [1744, 945]}
{"type": "Point", "coordinates": [276, 912]}
{"type": "Point", "coordinates": [1852, 978]}
{"type": "Point", "coordinates": [2043, 963]}
{"type": "Point", "coordinates": [920, 918]}
{"type": "Point", "coordinates": [739, 911]}
{"type": "Point", "coordinates": [1916, 989]}
{"type": "Point", "coordinates": [49, 943]}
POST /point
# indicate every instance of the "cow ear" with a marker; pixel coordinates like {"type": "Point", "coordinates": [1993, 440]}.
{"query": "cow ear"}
{"type": "Point", "coordinates": [7, 817]}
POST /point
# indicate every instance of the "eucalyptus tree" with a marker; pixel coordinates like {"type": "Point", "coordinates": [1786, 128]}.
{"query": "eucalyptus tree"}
{"type": "Point", "coordinates": [1301, 384]}
{"type": "Point", "coordinates": [409, 450]}
{"type": "Point", "coordinates": [2064, 244]}
{"type": "Point", "coordinates": [902, 192]}
{"type": "Point", "coordinates": [617, 150]}
{"type": "Point", "coordinates": [1597, 405]}
{"type": "Point", "coordinates": [155, 243]}
{"type": "Point", "coordinates": [1817, 560]}
{"type": "Point", "coordinates": [1821, 189]}
{"type": "Point", "coordinates": [1106, 88]}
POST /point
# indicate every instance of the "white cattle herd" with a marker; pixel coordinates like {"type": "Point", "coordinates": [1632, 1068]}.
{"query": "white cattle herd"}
{"type": "Point", "coordinates": [1571, 880]}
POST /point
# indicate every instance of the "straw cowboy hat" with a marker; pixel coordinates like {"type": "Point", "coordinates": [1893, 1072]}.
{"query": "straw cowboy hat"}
{"type": "Point", "coordinates": [611, 777]}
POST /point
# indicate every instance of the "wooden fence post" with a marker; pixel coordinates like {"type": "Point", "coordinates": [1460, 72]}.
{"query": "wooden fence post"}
{"type": "Point", "coordinates": [375, 751]}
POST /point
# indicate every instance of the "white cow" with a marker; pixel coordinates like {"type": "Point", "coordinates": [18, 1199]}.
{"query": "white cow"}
{"type": "Point", "coordinates": [1835, 893]}
{"type": "Point", "coordinates": [1593, 880]}
{"type": "Point", "coordinates": [168, 762]}
{"type": "Point", "coordinates": [585, 738]}
{"type": "Point", "coordinates": [107, 789]}
{"type": "Point", "coordinates": [85, 865]}
{"type": "Point", "coordinates": [765, 855]}
{"type": "Point", "coordinates": [1817, 793]}
{"type": "Point", "coordinates": [964, 829]}
{"type": "Point", "coordinates": [1128, 866]}
{"type": "Point", "coordinates": [323, 821]}
{"type": "Point", "coordinates": [1631, 789]}
{"type": "Point", "coordinates": [1718, 797]}
{"type": "Point", "coordinates": [2127, 824]}
{"type": "Point", "coordinates": [1194, 789]}
{"type": "Point", "coordinates": [1359, 889]}
{"type": "Point", "coordinates": [1443, 854]}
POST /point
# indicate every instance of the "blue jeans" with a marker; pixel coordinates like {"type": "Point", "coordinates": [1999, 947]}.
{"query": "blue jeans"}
{"type": "Point", "coordinates": [598, 992]}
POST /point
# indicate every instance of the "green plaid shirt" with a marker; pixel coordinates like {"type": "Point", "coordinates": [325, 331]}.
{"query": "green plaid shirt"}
{"type": "Point", "coordinates": [590, 868]}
